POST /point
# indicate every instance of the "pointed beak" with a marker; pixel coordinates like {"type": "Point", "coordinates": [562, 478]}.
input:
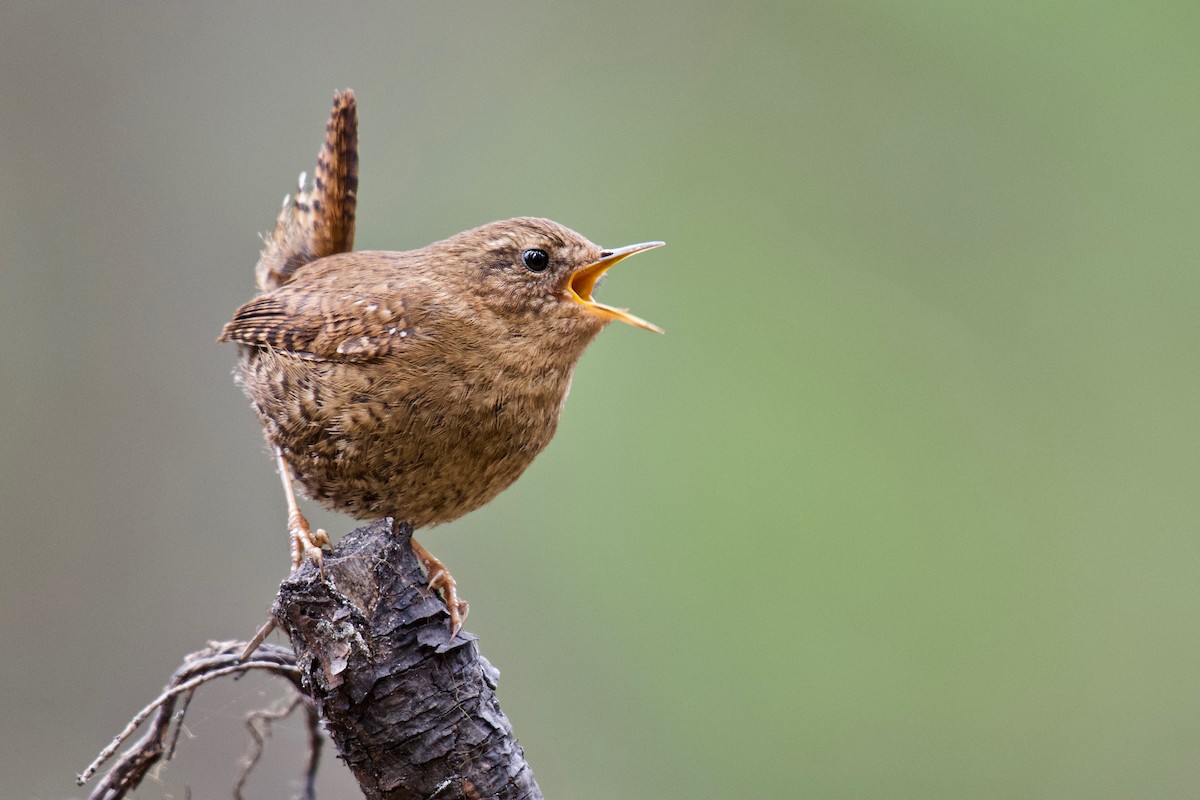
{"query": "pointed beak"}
{"type": "Point", "coordinates": [580, 286]}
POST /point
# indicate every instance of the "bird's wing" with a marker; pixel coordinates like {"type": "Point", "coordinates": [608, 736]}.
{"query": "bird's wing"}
{"type": "Point", "coordinates": [350, 325]}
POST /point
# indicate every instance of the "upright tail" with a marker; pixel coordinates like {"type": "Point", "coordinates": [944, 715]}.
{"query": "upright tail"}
{"type": "Point", "coordinates": [320, 222]}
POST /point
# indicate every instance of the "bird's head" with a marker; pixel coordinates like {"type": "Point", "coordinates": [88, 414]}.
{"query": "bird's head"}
{"type": "Point", "coordinates": [537, 273]}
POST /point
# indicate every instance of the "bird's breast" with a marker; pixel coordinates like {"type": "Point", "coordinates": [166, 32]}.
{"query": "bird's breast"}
{"type": "Point", "coordinates": [426, 447]}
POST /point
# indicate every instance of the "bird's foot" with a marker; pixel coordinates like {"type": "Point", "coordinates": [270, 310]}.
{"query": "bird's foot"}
{"type": "Point", "coordinates": [441, 580]}
{"type": "Point", "coordinates": [306, 543]}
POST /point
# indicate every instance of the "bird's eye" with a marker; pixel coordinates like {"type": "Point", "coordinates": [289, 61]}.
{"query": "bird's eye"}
{"type": "Point", "coordinates": [535, 260]}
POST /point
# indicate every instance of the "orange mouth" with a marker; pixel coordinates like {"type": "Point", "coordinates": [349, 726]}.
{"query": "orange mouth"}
{"type": "Point", "coordinates": [583, 281]}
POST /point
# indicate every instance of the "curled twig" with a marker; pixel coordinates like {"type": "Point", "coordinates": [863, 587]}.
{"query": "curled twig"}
{"type": "Point", "coordinates": [215, 661]}
{"type": "Point", "coordinates": [259, 723]}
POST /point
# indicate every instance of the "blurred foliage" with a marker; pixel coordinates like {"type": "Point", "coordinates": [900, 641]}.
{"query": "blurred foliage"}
{"type": "Point", "coordinates": [903, 505]}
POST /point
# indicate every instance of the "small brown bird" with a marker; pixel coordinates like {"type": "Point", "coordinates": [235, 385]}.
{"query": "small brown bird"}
{"type": "Point", "coordinates": [417, 384]}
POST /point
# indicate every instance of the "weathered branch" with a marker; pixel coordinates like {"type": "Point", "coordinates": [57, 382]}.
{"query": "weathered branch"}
{"type": "Point", "coordinates": [413, 714]}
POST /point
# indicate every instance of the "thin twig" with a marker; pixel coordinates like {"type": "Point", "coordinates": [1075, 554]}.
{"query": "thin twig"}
{"type": "Point", "coordinates": [258, 723]}
{"type": "Point", "coordinates": [177, 719]}
{"type": "Point", "coordinates": [219, 659]}
{"type": "Point", "coordinates": [315, 742]}
{"type": "Point", "coordinates": [145, 713]}
{"type": "Point", "coordinates": [259, 636]}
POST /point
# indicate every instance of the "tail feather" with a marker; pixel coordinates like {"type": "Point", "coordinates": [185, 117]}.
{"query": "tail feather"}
{"type": "Point", "coordinates": [318, 222]}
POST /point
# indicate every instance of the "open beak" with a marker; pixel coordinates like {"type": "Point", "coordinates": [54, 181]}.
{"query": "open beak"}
{"type": "Point", "coordinates": [580, 286]}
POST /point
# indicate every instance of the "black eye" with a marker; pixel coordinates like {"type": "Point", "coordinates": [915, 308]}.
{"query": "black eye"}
{"type": "Point", "coordinates": [535, 260]}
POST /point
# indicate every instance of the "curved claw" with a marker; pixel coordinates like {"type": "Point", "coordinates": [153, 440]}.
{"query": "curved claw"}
{"type": "Point", "coordinates": [306, 543]}
{"type": "Point", "coordinates": [458, 609]}
{"type": "Point", "coordinates": [440, 579]}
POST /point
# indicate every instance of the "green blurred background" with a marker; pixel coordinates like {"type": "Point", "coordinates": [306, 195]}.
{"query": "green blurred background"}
{"type": "Point", "coordinates": [903, 505]}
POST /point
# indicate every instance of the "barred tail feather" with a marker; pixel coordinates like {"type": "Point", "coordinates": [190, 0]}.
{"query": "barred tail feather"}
{"type": "Point", "coordinates": [317, 222]}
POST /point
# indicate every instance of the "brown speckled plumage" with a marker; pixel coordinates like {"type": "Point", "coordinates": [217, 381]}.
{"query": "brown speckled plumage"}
{"type": "Point", "coordinates": [414, 384]}
{"type": "Point", "coordinates": [391, 392]}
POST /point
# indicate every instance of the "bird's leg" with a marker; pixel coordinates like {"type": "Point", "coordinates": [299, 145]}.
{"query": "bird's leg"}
{"type": "Point", "coordinates": [305, 543]}
{"type": "Point", "coordinates": [440, 578]}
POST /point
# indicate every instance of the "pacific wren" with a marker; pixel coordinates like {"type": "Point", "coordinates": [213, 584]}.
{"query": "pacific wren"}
{"type": "Point", "coordinates": [417, 384]}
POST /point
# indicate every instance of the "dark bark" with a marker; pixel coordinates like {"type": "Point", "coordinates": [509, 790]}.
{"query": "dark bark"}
{"type": "Point", "coordinates": [413, 714]}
